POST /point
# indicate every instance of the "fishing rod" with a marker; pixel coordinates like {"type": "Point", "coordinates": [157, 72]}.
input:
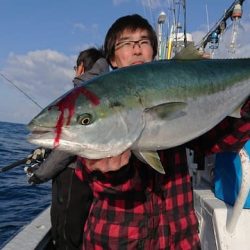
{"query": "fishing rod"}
{"type": "Point", "coordinates": [29, 97]}
{"type": "Point", "coordinates": [13, 165]}
{"type": "Point", "coordinates": [22, 161]}
{"type": "Point", "coordinates": [36, 156]}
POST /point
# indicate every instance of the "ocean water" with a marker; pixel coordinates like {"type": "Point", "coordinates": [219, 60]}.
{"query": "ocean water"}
{"type": "Point", "coordinates": [20, 202]}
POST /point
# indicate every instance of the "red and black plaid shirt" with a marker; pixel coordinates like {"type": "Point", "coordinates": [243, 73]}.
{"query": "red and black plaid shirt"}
{"type": "Point", "coordinates": [138, 208]}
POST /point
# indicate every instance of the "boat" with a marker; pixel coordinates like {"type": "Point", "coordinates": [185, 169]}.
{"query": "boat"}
{"type": "Point", "coordinates": [222, 226]}
{"type": "Point", "coordinates": [36, 235]}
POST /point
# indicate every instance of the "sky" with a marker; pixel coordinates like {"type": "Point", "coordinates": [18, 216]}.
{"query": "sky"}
{"type": "Point", "coordinates": [41, 39]}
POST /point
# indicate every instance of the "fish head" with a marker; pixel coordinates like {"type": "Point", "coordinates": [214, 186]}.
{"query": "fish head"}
{"type": "Point", "coordinates": [88, 123]}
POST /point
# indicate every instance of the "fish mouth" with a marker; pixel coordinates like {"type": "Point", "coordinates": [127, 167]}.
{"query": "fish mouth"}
{"type": "Point", "coordinates": [46, 136]}
{"type": "Point", "coordinates": [41, 130]}
{"type": "Point", "coordinates": [37, 133]}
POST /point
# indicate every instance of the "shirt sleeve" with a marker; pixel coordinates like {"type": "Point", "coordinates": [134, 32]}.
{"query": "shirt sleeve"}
{"type": "Point", "coordinates": [53, 165]}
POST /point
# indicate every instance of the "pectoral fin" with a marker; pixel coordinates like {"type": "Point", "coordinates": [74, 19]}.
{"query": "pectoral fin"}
{"type": "Point", "coordinates": [167, 111]}
{"type": "Point", "coordinates": [152, 159]}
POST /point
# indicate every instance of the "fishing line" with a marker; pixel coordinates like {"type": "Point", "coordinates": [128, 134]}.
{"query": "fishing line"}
{"type": "Point", "coordinates": [12, 83]}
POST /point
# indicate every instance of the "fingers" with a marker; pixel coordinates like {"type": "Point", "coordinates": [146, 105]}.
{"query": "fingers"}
{"type": "Point", "coordinates": [110, 163]}
{"type": "Point", "coordinates": [125, 158]}
{"type": "Point", "coordinates": [37, 155]}
{"type": "Point", "coordinates": [28, 170]}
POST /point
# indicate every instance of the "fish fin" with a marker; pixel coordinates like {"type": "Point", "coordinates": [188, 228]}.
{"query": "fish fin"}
{"type": "Point", "coordinates": [167, 111]}
{"type": "Point", "coordinates": [151, 158]}
{"type": "Point", "coordinates": [188, 53]}
{"type": "Point", "coordinates": [236, 112]}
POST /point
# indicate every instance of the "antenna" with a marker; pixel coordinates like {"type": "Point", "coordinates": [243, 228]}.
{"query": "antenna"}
{"type": "Point", "coordinates": [161, 21]}
{"type": "Point", "coordinates": [150, 11]}
{"type": "Point", "coordinates": [185, 23]}
{"type": "Point", "coordinates": [207, 18]}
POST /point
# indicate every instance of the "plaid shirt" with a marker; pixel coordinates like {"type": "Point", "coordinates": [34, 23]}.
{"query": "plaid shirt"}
{"type": "Point", "coordinates": [138, 208]}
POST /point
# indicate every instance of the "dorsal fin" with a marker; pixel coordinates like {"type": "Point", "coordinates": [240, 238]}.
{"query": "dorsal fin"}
{"type": "Point", "coordinates": [188, 53]}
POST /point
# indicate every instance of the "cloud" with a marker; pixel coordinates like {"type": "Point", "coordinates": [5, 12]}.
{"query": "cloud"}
{"type": "Point", "coordinates": [238, 49]}
{"type": "Point", "coordinates": [154, 4]}
{"type": "Point", "coordinates": [118, 2]}
{"type": "Point", "coordinates": [79, 27]}
{"type": "Point", "coordinates": [242, 40]}
{"type": "Point", "coordinates": [198, 35]}
{"type": "Point", "coordinates": [91, 30]}
{"type": "Point", "coordinates": [42, 74]}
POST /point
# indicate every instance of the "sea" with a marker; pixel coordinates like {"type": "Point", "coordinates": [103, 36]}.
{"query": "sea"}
{"type": "Point", "coordinates": [20, 202]}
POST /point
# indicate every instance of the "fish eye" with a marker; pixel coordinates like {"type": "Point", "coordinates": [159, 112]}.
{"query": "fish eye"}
{"type": "Point", "coordinates": [84, 119]}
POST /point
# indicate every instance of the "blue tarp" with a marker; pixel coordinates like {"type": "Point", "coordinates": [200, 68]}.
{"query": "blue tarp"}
{"type": "Point", "coordinates": [228, 176]}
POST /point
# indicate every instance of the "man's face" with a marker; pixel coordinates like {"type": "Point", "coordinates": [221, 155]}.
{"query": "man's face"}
{"type": "Point", "coordinates": [132, 47]}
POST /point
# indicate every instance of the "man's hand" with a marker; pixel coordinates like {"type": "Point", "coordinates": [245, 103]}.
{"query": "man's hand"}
{"type": "Point", "coordinates": [30, 172]}
{"type": "Point", "coordinates": [108, 164]}
{"type": "Point", "coordinates": [34, 160]}
{"type": "Point", "coordinates": [32, 179]}
{"type": "Point", "coordinates": [38, 155]}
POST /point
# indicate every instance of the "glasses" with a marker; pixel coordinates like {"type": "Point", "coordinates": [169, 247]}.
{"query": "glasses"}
{"type": "Point", "coordinates": [75, 68]}
{"type": "Point", "coordinates": [129, 44]}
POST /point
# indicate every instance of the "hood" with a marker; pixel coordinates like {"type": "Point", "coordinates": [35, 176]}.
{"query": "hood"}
{"type": "Point", "coordinates": [101, 66]}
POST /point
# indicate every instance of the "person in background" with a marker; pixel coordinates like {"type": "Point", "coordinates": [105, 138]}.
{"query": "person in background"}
{"type": "Point", "coordinates": [90, 63]}
{"type": "Point", "coordinates": [135, 207]}
{"type": "Point", "coordinates": [71, 197]}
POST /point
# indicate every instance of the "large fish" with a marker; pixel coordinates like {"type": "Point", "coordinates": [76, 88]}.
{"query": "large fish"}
{"type": "Point", "coordinates": [146, 107]}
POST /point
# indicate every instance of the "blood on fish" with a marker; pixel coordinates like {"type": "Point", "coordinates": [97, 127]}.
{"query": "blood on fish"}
{"type": "Point", "coordinates": [68, 103]}
{"type": "Point", "coordinates": [59, 125]}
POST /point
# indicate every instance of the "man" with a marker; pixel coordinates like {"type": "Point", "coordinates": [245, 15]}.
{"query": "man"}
{"type": "Point", "coordinates": [90, 63]}
{"type": "Point", "coordinates": [135, 207]}
{"type": "Point", "coordinates": [71, 197]}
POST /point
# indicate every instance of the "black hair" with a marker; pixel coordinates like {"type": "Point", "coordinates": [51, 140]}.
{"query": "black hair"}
{"type": "Point", "coordinates": [88, 57]}
{"type": "Point", "coordinates": [130, 22]}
